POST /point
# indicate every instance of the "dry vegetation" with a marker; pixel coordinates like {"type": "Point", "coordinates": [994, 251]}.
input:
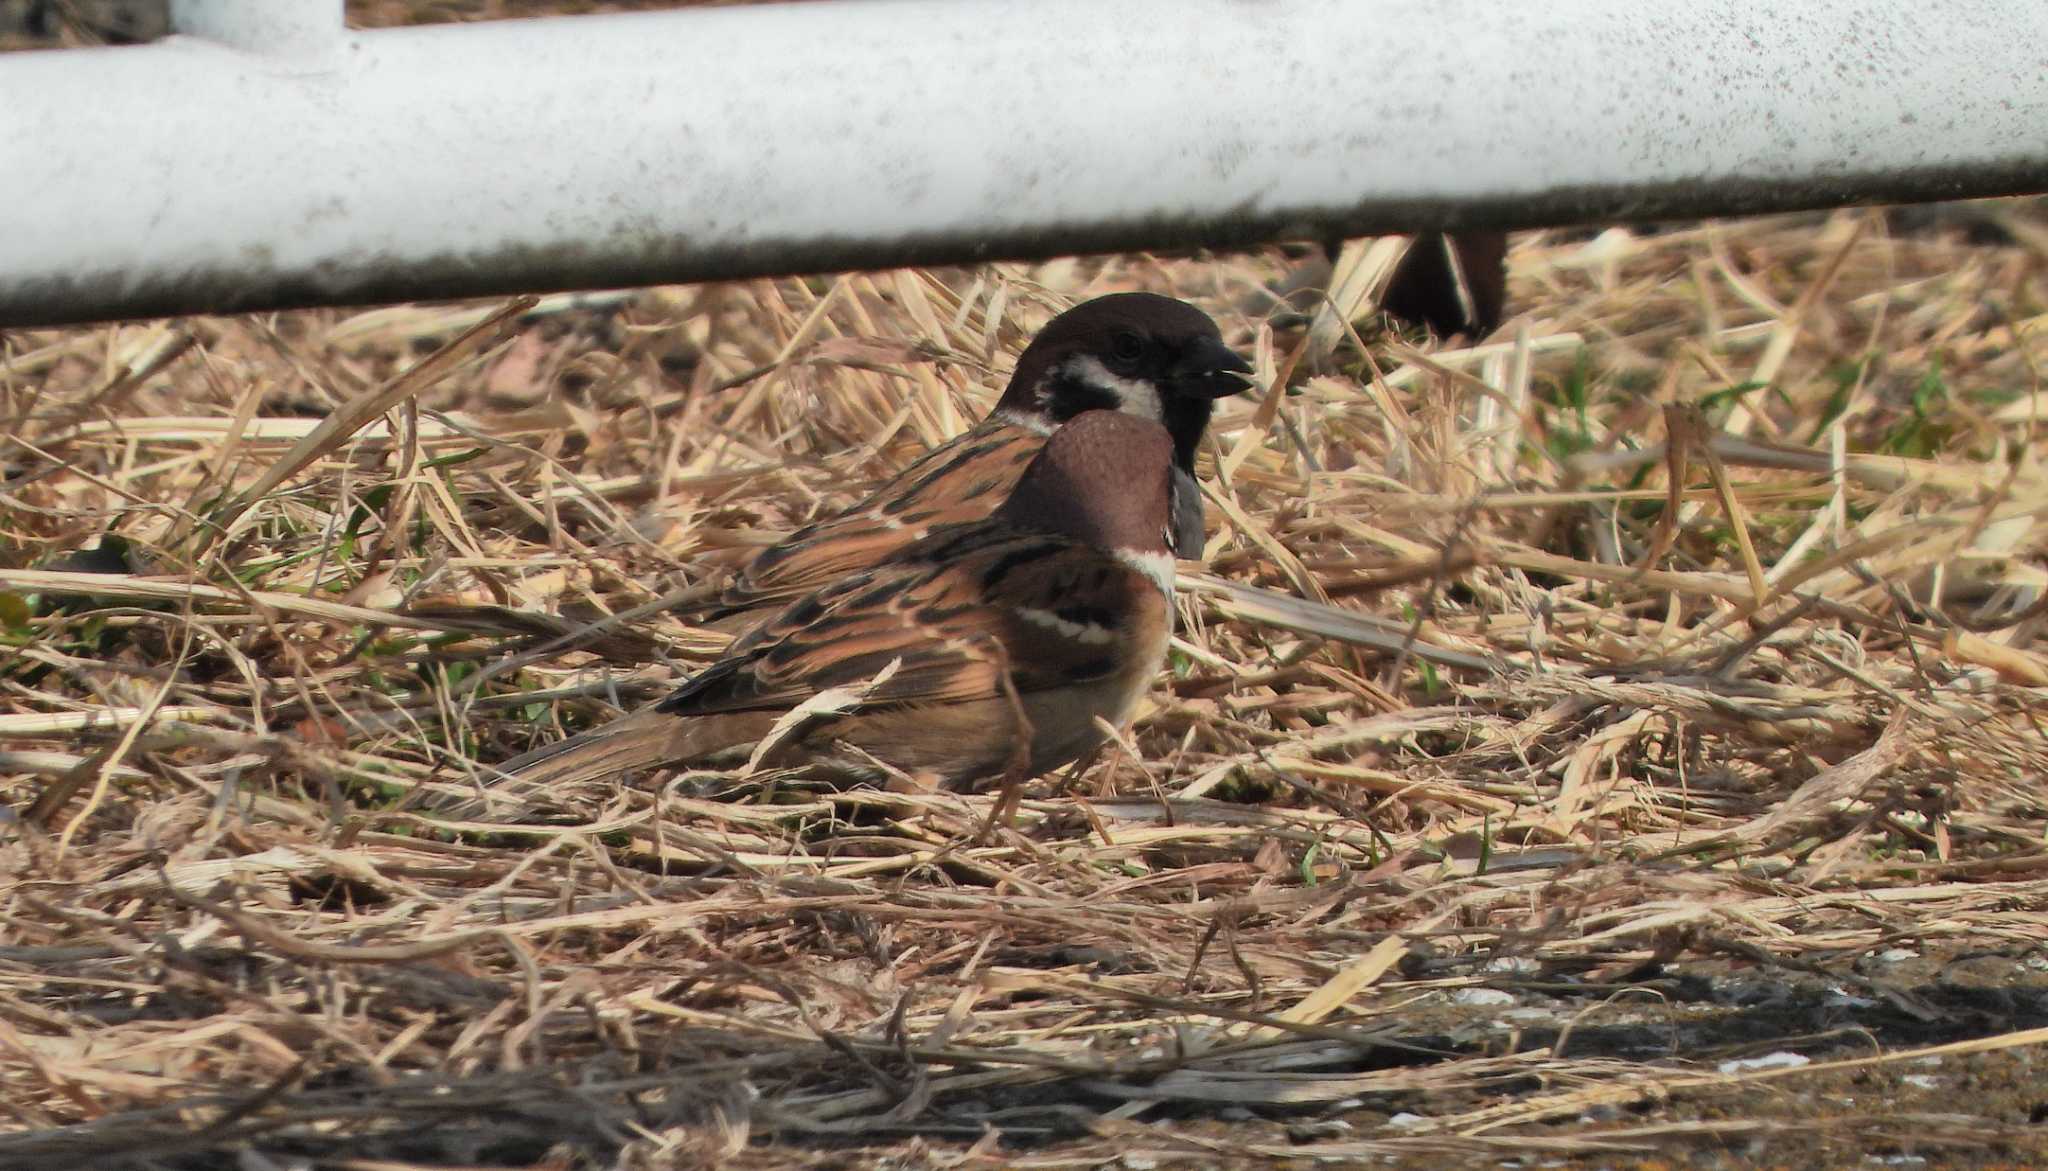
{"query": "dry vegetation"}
{"type": "Point", "coordinates": [1698, 722]}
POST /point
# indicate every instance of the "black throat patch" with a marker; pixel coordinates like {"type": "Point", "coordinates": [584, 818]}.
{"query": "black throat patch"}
{"type": "Point", "coordinates": [1186, 418]}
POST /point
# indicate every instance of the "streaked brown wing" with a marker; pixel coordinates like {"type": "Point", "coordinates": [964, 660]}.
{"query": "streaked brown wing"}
{"type": "Point", "coordinates": [962, 481]}
{"type": "Point", "coordinates": [955, 610]}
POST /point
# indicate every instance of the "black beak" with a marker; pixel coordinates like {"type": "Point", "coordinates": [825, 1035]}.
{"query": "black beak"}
{"type": "Point", "coordinates": [1210, 369]}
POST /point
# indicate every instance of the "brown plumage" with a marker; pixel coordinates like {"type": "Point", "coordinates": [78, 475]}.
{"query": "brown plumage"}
{"type": "Point", "coordinates": [1055, 608]}
{"type": "Point", "coordinates": [1140, 353]}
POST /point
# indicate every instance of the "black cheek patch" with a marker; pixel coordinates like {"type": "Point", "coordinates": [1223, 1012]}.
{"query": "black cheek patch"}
{"type": "Point", "coordinates": [1068, 396]}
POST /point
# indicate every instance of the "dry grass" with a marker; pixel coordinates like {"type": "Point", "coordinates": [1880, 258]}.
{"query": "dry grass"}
{"type": "Point", "coordinates": [1653, 709]}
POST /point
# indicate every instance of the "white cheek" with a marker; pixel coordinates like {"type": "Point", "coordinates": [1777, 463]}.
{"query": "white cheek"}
{"type": "Point", "coordinates": [1135, 395]}
{"type": "Point", "coordinates": [1157, 566]}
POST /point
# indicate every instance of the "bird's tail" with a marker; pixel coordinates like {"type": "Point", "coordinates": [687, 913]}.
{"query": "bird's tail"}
{"type": "Point", "coordinates": [643, 740]}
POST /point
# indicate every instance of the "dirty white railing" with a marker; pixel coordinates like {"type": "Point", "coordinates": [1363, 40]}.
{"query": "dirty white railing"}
{"type": "Point", "coordinates": [271, 157]}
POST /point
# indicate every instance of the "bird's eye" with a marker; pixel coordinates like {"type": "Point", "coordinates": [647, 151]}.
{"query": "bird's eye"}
{"type": "Point", "coordinates": [1127, 347]}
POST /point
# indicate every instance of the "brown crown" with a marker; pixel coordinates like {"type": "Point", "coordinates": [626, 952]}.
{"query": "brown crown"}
{"type": "Point", "coordinates": [1092, 327]}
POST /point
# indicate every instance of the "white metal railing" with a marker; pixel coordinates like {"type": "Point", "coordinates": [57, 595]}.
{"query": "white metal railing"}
{"type": "Point", "coordinates": [279, 159]}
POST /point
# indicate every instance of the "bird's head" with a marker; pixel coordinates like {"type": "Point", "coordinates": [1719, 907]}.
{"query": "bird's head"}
{"type": "Point", "coordinates": [1138, 353]}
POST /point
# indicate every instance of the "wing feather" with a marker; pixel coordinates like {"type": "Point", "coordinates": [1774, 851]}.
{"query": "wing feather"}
{"type": "Point", "coordinates": [954, 612]}
{"type": "Point", "coordinates": [962, 481]}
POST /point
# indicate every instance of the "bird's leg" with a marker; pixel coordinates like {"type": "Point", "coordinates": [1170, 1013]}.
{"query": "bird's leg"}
{"type": "Point", "coordinates": [1019, 769]}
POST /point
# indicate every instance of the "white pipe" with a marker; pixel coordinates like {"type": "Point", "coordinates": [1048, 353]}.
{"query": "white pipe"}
{"type": "Point", "coordinates": [720, 142]}
{"type": "Point", "coordinates": [262, 26]}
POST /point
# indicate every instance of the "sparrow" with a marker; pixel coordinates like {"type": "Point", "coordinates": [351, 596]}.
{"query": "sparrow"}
{"type": "Point", "coordinates": [1450, 284]}
{"type": "Point", "coordinates": [985, 648]}
{"type": "Point", "coordinates": [1138, 353]}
